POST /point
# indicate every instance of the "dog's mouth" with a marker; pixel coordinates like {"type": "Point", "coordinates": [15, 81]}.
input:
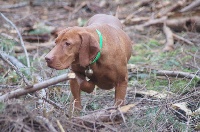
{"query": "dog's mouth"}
{"type": "Point", "coordinates": [57, 67]}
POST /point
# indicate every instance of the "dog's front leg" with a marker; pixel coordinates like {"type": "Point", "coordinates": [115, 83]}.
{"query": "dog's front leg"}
{"type": "Point", "coordinates": [76, 92]}
{"type": "Point", "coordinates": [78, 84]}
{"type": "Point", "coordinates": [86, 86]}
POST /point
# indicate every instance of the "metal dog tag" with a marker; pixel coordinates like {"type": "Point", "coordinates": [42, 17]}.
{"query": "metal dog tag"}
{"type": "Point", "coordinates": [88, 72]}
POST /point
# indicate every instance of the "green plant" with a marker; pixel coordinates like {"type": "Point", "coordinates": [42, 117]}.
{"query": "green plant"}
{"type": "Point", "coordinates": [7, 45]}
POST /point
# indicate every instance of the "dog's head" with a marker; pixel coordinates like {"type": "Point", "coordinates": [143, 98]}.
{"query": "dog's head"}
{"type": "Point", "coordinates": [73, 46]}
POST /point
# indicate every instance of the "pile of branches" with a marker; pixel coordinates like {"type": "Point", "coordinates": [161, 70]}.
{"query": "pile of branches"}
{"type": "Point", "coordinates": [183, 15]}
{"type": "Point", "coordinates": [15, 117]}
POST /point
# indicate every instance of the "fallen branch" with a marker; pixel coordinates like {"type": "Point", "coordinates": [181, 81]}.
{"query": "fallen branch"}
{"type": "Point", "coordinates": [81, 126]}
{"type": "Point", "coordinates": [134, 70]}
{"type": "Point", "coordinates": [172, 8]}
{"type": "Point", "coordinates": [9, 37]}
{"type": "Point", "coordinates": [177, 37]}
{"type": "Point", "coordinates": [21, 40]}
{"type": "Point", "coordinates": [191, 6]}
{"type": "Point", "coordinates": [7, 86]}
{"type": "Point", "coordinates": [79, 7]}
{"type": "Point", "coordinates": [47, 123]}
{"type": "Point", "coordinates": [154, 22]}
{"type": "Point", "coordinates": [18, 5]}
{"type": "Point", "coordinates": [15, 68]}
{"type": "Point", "coordinates": [60, 126]}
{"type": "Point", "coordinates": [169, 45]}
{"type": "Point", "coordinates": [178, 24]}
{"type": "Point", "coordinates": [153, 94]}
{"type": "Point", "coordinates": [176, 74]}
{"type": "Point", "coordinates": [18, 65]}
{"type": "Point", "coordinates": [19, 92]}
{"type": "Point", "coordinates": [113, 115]}
{"type": "Point", "coordinates": [13, 60]}
{"type": "Point", "coordinates": [33, 46]}
{"type": "Point", "coordinates": [184, 24]}
{"type": "Point", "coordinates": [134, 21]}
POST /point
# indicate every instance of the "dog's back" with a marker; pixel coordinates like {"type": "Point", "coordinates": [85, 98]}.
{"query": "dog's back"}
{"type": "Point", "coordinates": [104, 19]}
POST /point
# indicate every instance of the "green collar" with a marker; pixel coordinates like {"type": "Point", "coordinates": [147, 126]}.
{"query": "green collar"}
{"type": "Point", "coordinates": [101, 45]}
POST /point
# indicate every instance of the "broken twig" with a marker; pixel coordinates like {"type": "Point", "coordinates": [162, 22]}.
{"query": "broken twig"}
{"type": "Point", "coordinates": [21, 40]}
{"type": "Point", "coordinates": [169, 46]}
{"type": "Point", "coordinates": [15, 68]}
{"type": "Point", "coordinates": [191, 6]}
{"type": "Point", "coordinates": [36, 87]}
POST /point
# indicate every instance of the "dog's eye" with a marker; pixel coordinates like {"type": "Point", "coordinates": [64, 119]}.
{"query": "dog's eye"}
{"type": "Point", "coordinates": [67, 44]}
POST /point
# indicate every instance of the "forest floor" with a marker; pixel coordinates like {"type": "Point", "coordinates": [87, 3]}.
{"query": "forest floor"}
{"type": "Point", "coordinates": [163, 91]}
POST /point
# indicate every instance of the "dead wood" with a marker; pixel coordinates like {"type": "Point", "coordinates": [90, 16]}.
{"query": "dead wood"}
{"type": "Point", "coordinates": [47, 123]}
{"type": "Point", "coordinates": [19, 92]}
{"type": "Point", "coordinates": [134, 21]}
{"type": "Point", "coordinates": [162, 4]}
{"type": "Point", "coordinates": [20, 37]}
{"type": "Point", "coordinates": [134, 70]}
{"type": "Point", "coordinates": [113, 115]}
{"type": "Point", "coordinates": [19, 49]}
{"type": "Point", "coordinates": [191, 6]}
{"type": "Point", "coordinates": [37, 38]}
{"type": "Point", "coordinates": [56, 105]}
{"type": "Point", "coordinates": [18, 5]}
{"type": "Point", "coordinates": [60, 126]}
{"type": "Point", "coordinates": [177, 37]}
{"type": "Point", "coordinates": [153, 94]}
{"type": "Point", "coordinates": [172, 8]}
{"type": "Point", "coordinates": [151, 22]}
{"type": "Point", "coordinates": [15, 116]}
{"type": "Point", "coordinates": [169, 45]}
{"type": "Point", "coordinates": [3, 57]}
{"type": "Point", "coordinates": [184, 24]}
{"type": "Point", "coordinates": [79, 7]}
{"type": "Point", "coordinates": [176, 74]}
{"type": "Point", "coordinates": [13, 60]}
{"type": "Point", "coordinates": [177, 25]}
{"type": "Point", "coordinates": [9, 37]}
{"type": "Point", "coordinates": [33, 46]}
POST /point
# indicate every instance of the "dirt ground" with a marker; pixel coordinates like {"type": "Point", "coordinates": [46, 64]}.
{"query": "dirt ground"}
{"type": "Point", "coordinates": [38, 20]}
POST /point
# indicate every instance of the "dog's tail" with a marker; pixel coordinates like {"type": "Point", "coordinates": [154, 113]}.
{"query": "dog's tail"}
{"type": "Point", "coordinates": [117, 11]}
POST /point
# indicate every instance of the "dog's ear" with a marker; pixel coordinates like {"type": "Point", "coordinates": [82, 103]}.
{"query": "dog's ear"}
{"type": "Point", "coordinates": [88, 49]}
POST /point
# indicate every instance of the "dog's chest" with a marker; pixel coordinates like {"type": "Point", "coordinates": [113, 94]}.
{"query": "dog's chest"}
{"type": "Point", "coordinates": [105, 79]}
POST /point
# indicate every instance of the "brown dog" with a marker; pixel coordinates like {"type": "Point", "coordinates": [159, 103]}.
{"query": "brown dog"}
{"type": "Point", "coordinates": [79, 48]}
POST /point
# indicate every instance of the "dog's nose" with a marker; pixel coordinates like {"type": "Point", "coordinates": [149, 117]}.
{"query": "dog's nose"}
{"type": "Point", "coordinates": [48, 59]}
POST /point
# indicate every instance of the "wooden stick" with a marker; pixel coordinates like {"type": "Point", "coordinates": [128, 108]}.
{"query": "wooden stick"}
{"type": "Point", "coordinates": [177, 37]}
{"type": "Point", "coordinates": [169, 46]}
{"type": "Point", "coordinates": [47, 123]}
{"type": "Point", "coordinates": [13, 60]}
{"type": "Point", "coordinates": [60, 126]}
{"type": "Point", "coordinates": [18, 5]}
{"type": "Point", "coordinates": [20, 37]}
{"type": "Point", "coordinates": [36, 87]}
{"type": "Point", "coordinates": [172, 8]}
{"type": "Point", "coordinates": [133, 70]}
{"type": "Point", "coordinates": [15, 68]}
{"type": "Point", "coordinates": [178, 24]}
{"type": "Point", "coordinates": [154, 22]}
{"type": "Point", "coordinates": [33, 46]}
{"type": "Point", "coordinates": [191, 6]}
{"type": "Point", "coordinates": [176, 74]}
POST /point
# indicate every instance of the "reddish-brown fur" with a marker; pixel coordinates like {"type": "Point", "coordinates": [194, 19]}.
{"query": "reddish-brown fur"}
{"type": "Point", "coordinates": [76, 47]}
